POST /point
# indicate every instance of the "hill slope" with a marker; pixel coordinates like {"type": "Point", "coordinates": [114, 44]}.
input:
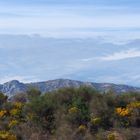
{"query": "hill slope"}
{"type": "Point", "coordinates": [13, 87]}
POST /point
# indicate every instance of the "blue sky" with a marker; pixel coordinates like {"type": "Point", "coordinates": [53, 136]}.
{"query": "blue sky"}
{"type": "Point", "coordinates": [89, 40]}
{"type": "Point", "coordinates": [71, 18]}
{"type": "Point", "coordinates": [103, 2]}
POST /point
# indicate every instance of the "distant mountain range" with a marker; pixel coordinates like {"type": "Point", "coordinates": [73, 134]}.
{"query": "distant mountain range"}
{"type": "Point", "coordinates": [14, 87]}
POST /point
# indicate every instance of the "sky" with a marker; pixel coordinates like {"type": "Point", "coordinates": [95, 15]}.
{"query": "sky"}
{"type": "Point", "coordinates": [87, 40]}
{"type": "Point", "coordinates": [71, 18]}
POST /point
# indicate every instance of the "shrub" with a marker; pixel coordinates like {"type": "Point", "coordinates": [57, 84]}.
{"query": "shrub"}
{"type": "Point", "coordinates": [71, 114]}
{"type": "Point", "coordinates": [111, 136]}
{"type": "Point", "coordinates": [33, 93]}
{"type": "Point", "coordinates": [3, 99]}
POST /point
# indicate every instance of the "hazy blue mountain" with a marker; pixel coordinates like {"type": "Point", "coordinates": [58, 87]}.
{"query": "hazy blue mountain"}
{"type": "Point", "coordinates": [14, 87]}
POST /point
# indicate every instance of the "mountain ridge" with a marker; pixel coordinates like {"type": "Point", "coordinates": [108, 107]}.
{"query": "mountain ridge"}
{"type": "Point", "coordinates": [14, 87]}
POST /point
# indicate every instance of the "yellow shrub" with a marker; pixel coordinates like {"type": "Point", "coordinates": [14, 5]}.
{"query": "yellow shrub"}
{"type": "Point", "coordinates": [118, 110]}
{"type": "Point", "coordinates": [18, 105]}
{"type": "Point", "coordinates": [82, 128]}
{"type": "Point", "coordinates": [111, 136]}
{"type": "Point", "coordinates": [13, 123]}
{"type": "Point", "coordinates": [73, 110]}
{"type": "Point", "coordinates": [2, 113]}
{"type": "Point", "coordinates": [128, 110]}
{"type": "Point", "coordinates": [134, 105]}
{"type": "Point", "coordinates": [4, 135]}
{"type": "Point", "coordinates": [95, 121]}
{"type": "Point", "coordinates": [123, 111]}
{"type": "Point", "coordinates": [15, 112]}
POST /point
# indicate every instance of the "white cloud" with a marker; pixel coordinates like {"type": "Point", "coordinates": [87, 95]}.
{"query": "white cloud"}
{"type": "Point", "coordinates": [125, 54]}
{"type": "Point", "coordinates": [89, 59]}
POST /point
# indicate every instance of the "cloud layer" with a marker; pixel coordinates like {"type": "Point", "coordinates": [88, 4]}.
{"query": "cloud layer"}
{"type": "Point", "coordinates": [125, 54]}
{"type": "Point", "coordinates": [35, 58]}
{"type": "Point", "coordinates": [70, 39]}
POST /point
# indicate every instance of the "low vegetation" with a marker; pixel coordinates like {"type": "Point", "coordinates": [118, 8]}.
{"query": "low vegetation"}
{"type": "Point", "coordinates": [70, 114]}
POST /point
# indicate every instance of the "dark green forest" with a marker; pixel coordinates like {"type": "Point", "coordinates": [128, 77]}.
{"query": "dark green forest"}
{"type": "Point", "coordinates": [70, 114]}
